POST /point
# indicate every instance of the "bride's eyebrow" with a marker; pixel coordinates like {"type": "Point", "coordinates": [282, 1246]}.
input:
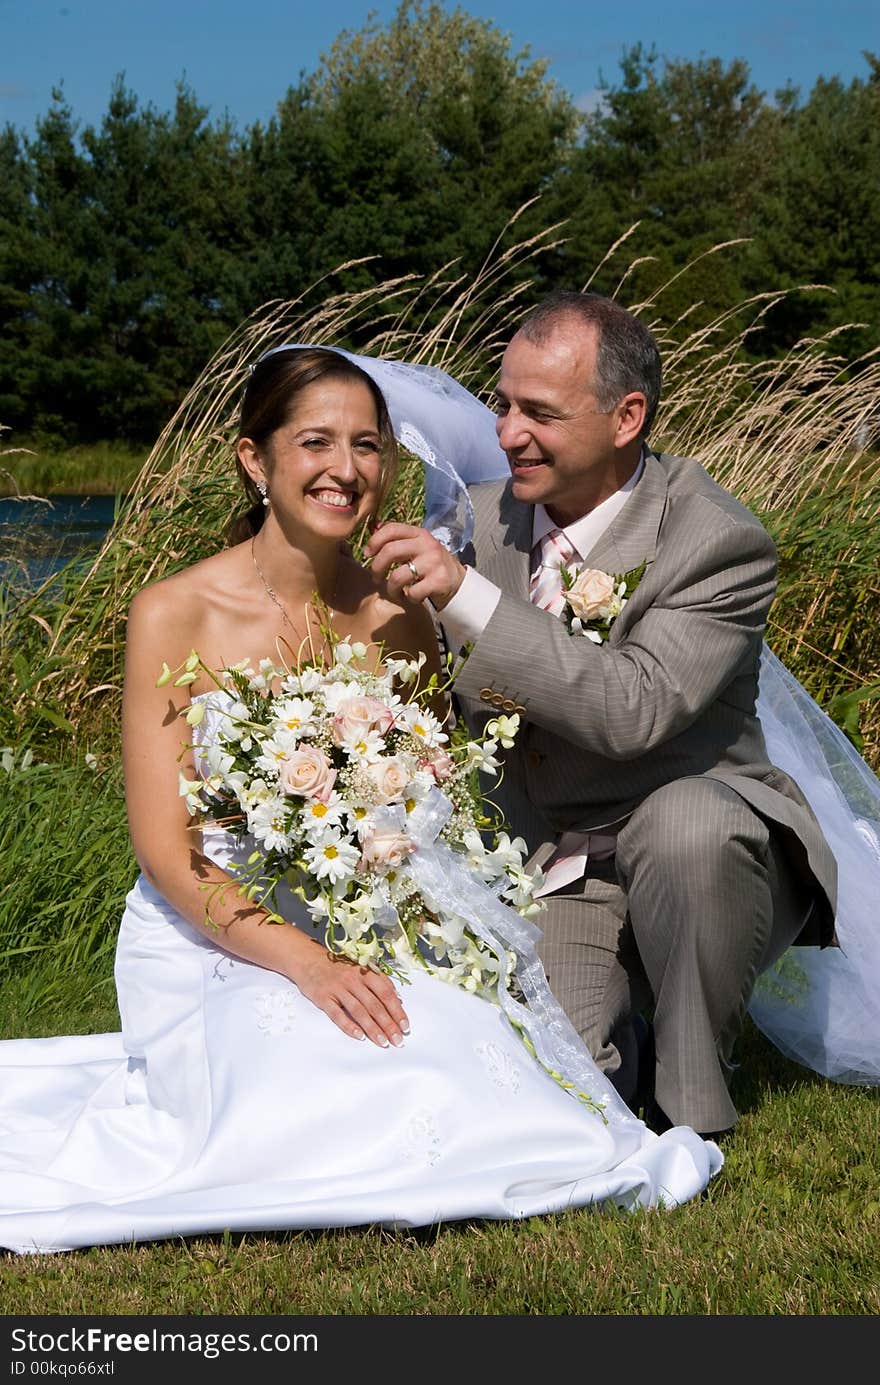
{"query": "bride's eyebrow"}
{"type": "Point", "coordinates": [331, 428]}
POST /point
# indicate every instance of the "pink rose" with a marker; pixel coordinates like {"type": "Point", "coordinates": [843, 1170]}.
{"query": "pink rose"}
{"type": "Point", "coordinates": [440, 765]}
{"type": "Point", "coordinates": [356, 716]}
{"type": "Point", "coordinates": [594, 595]}
{"type": "Point", "coordinates": [390, 776]}
{"type": "Point", "coordinates": [385, 850]}
{"type": "Point", "coordinates": [309, 773]}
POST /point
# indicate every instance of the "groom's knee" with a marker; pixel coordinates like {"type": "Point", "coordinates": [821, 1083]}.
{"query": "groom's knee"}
{"type": "Point", "coordinates": [690, 837]}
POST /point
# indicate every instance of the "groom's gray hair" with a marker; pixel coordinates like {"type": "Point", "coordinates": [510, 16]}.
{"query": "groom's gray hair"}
{"type": "Point", "coordinates": [626, 358]}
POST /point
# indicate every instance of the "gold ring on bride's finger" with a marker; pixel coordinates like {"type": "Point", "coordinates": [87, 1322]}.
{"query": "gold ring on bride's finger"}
{"type": "Point", "coordinates": [414, 570]}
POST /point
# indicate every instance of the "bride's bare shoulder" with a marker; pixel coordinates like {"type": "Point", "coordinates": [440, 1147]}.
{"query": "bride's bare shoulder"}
{"type": "Point", "coordinates": [188, 597]}
{"type": "Point", "coordinates": [403, 627]}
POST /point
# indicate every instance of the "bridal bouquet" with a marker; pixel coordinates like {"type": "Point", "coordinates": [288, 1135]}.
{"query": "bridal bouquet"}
{"type": "Point", "coordinates": [351, 795]}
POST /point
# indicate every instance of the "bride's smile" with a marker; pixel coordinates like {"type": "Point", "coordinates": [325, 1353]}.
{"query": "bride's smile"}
{"type": "Point", "coordinates": [323, 468]}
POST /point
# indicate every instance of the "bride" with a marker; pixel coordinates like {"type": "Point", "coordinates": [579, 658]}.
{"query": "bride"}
{"type": "Point", "coordinates": [257, 1083]}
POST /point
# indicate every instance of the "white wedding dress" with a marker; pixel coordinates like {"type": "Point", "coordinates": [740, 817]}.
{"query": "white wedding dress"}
{"type": "Point", "coordinates": [230, 1101]}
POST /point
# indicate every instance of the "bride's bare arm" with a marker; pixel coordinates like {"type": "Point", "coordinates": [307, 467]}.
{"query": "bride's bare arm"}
{"type": "Point", "coordinates": [161, 626]}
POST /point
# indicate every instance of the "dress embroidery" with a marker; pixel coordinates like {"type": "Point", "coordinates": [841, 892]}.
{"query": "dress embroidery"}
{"type": "Point", "coordinates": [421, 1140]}
{"type": "Point", "coordinates": [500, 1066]}
{"type": "Point", "coordinates": [276, 1011]}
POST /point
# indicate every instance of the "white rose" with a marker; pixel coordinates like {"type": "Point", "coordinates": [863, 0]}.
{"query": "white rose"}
{"type": "Point", "coordinates": [309, 773]}
{"type": "Point", "coordinates": [390, 776]}
{"type": "Point", "coordinates": [593, 595]}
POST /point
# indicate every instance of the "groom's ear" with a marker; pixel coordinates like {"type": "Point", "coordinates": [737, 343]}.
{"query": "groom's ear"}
{"type": "Point", "coordinates": [631, 413]}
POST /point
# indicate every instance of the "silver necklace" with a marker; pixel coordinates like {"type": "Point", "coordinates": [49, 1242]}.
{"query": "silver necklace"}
{"type": "Point", "coordinates": [275, 598]}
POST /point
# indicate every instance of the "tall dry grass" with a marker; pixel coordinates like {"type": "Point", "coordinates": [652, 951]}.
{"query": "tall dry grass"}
{"type": "Point", "coordinates": [781, 434]}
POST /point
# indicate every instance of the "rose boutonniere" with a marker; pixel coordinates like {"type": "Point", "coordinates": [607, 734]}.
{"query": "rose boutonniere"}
{"type": "Point", "coordinates": [594, 599]}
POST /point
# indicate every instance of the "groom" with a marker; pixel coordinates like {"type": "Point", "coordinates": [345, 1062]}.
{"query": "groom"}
{"type": "Point", "coordinates": [679, 863]}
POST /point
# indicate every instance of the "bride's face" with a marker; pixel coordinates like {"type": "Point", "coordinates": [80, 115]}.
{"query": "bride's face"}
{"type": "Point", "coordinates": [324, 466]}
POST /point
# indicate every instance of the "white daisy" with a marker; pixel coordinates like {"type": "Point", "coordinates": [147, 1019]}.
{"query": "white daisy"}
{"type": "Point", "coordinates": [334, 691]}
{"type": "Point", "coordinates": [275, 749]}
{"type": "Point", "coordinates": [293, 714]}
{"type": "Point", "coordinates": [317, 817]}
{"type": "Point", "coordinates": [266, 822]}
{"type": "Point", "coordinates": [333, 857]}
{"type": "Point", "coordinates": [364, 744]}
{"type": "Point", "coordinates": [422, 724]}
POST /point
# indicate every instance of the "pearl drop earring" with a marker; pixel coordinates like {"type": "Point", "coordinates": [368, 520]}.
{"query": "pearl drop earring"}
{"type": "Point", "coordinates": [264, 491]}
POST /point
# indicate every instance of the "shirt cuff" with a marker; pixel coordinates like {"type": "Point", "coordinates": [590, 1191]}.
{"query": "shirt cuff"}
{"type": "Point", "coordinates": [469, 611]}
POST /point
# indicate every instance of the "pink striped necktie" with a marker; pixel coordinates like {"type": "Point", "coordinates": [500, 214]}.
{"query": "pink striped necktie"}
{"type": "Point", "coordinates": [548, 555]}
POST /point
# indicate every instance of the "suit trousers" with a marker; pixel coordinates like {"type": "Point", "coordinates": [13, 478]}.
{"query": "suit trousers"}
{"type": "Point", "coordinates": [699, 899]}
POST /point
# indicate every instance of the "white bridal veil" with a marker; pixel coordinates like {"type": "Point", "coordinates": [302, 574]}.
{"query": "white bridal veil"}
{"type": "Point", "coordinates": [820, 1007]}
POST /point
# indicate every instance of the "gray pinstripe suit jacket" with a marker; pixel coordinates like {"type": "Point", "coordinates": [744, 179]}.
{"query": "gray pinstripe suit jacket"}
{"type": "Point", "coordinates": [671, 694]}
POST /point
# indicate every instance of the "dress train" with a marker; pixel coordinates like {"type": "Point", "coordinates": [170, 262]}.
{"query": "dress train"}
{"type": "Point", "coordinates": [230, 1101]}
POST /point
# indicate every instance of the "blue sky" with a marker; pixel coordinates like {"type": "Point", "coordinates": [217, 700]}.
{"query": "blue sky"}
{"type": "Point", "coordinates": [241, 56]}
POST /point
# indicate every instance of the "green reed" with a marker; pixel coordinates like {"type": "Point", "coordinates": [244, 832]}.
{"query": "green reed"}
{"type": "Point", "coordinates": [35, 467]}
{"type": "Point", "coordinates": [66, 867]}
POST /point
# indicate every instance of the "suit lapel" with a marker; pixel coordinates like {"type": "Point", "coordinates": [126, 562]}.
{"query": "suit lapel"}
{"type": "Point", "coordinates": [631, 538]}
{"type": "Point", "coordinates": [507, 565]}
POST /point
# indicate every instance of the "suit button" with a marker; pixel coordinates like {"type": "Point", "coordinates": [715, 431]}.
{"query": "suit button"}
{"type": "Point", "coordinates": [486, 694]}
{"type": "Point", "coordinates": [497, 700]}
{"type": "Point", "coordinates": [508, 705]}
{"type": "Point", "coordinates": [519, 709]}
{"type": "Point", "coordinates": [534, 759]}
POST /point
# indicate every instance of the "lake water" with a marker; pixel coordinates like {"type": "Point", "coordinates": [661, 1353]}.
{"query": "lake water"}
{"type": "Point", "coordinates": [39, 537]}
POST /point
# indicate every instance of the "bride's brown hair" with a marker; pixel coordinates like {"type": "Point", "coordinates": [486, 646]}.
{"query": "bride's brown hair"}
{"type": "Point", "coordinates": [275, 384]}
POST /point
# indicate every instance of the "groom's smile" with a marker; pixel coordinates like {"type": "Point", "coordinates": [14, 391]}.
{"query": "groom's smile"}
{"type": "Point", "coordinates": [564, 450]}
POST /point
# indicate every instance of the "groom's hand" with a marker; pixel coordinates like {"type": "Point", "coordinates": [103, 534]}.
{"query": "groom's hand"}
{"type": "Point", "coordinates": [412, 562]}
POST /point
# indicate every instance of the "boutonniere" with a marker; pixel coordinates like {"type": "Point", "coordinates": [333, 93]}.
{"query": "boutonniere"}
{"type": "Point", "coordinates": [594, 599]}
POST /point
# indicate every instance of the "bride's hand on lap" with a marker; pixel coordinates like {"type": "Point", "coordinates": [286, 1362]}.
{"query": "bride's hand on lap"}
{"type": "Point", "coordinates": [362, 1003]}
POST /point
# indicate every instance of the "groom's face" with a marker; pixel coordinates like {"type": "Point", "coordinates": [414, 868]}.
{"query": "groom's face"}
{"type": "Point", "coordinates": [561, 446]}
